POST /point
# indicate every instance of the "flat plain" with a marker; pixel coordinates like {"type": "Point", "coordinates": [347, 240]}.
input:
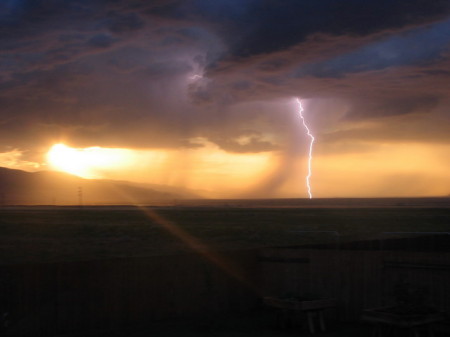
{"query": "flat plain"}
{"type": "Point", "coordinates": [63, 233]}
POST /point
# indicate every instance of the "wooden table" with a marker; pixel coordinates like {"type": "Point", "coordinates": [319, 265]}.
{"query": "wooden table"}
{"type": "Point", "coordinates": [313, 309]}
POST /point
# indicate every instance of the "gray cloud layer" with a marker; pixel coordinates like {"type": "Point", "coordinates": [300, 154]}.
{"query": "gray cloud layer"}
{"type": "Point", "coordinates": [122, 73]}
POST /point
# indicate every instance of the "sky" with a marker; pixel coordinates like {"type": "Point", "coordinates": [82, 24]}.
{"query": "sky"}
{"type": "Point", "coordinates": [202, 94]}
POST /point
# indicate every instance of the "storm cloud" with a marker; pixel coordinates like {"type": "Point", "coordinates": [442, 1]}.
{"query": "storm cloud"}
{"type": "Point", "coordinates": [159, 74]}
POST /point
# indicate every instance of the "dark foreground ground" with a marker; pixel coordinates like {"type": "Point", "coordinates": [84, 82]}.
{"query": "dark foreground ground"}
{"type": "Point", "coordinates": [58, 233]}
{"type": "Point", "coordinates": [97, 238]}
{"type": "Point", "coordinates": [261, 324]}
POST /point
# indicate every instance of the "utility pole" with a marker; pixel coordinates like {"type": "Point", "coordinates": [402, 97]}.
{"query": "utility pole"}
{"type": "Point", "coordinates": [80, 196]}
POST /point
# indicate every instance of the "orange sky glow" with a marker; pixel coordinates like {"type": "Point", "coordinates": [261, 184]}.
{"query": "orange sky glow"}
{"type": "Point", "coordinates": [390, 170]}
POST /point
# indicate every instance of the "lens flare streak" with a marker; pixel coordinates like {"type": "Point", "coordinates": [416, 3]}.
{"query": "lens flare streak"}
{"type": "Point", "coordinates": [310, 153]}
{"type": "Point", "coordinates": [193, 243]}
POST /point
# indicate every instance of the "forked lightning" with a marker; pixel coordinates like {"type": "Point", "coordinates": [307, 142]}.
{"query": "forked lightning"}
{"type": "Point", "coordinates": [308, 132]}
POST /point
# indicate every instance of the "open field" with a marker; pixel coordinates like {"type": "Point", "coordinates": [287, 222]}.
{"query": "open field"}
{"type": "Point", "coordinates": [45, 234]}
{"type": "Point", "coordinates": [128, 269]}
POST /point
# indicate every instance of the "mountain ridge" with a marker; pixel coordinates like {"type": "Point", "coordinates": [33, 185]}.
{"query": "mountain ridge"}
{"type": "Point", "coordinates": [19, 187]}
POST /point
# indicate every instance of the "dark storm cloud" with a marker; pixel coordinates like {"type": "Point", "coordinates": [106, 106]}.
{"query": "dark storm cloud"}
{"type": "Point", "coordinates": [266, 26]}
{"type": "Point", "coordinates": [119, 23]}
{"type": "Point", "coordinates": [420, 45]}
{"type": "Point", "coordinates": [101, 41]}
{"type": "Point", "coordinates": [382, 74]}
{"type": "Point", "coordinates": [121, 73]}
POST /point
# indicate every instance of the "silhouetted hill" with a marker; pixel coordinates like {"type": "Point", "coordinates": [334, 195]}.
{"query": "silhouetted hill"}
{"type": "Point", "coordinates": [57, 188]}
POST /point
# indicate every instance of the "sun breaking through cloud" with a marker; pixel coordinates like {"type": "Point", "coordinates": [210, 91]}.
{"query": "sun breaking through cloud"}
{"type": "Point", "coordinates": [151, 78]}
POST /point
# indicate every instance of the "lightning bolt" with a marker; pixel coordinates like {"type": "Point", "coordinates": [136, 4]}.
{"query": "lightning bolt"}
{"type": "Point", "coordinates": [308, 132]}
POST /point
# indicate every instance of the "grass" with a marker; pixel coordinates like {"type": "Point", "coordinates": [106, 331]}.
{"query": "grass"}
{"type": "Point", "coordinates": [38, 234]}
